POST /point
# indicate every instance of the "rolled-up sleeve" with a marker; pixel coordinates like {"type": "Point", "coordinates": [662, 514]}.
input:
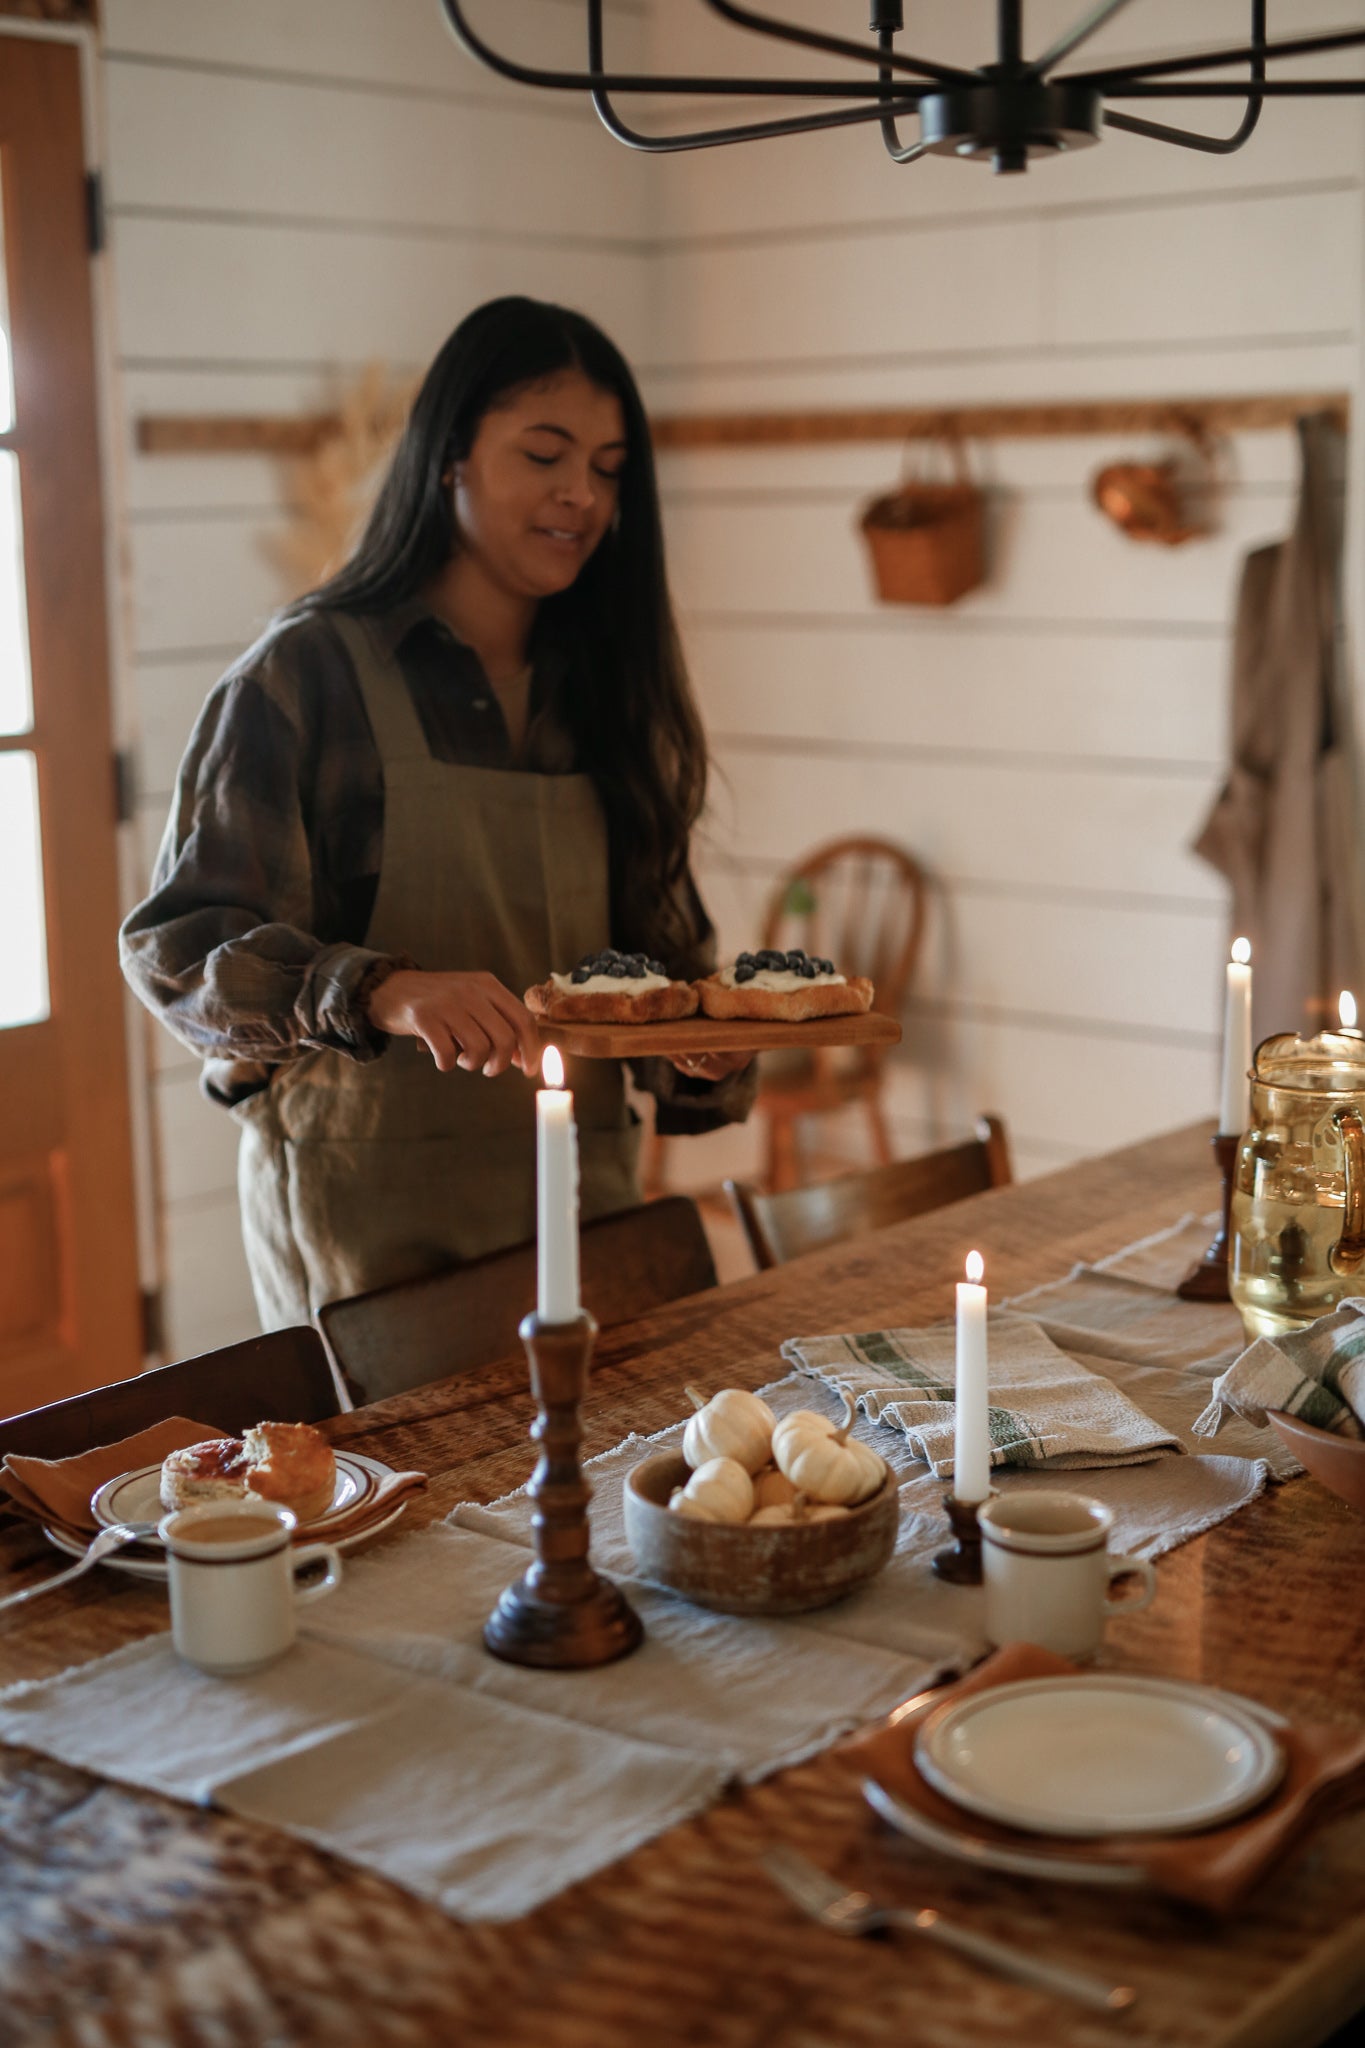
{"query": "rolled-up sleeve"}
{"type": "Point", "coordinates": [226, 950]}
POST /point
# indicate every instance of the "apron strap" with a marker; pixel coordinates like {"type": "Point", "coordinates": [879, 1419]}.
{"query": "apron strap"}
{"type": "Point", "coordinates": [388, 702]}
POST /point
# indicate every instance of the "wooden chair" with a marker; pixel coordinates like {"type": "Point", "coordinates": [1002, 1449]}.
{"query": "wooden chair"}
{"type": "Point", "coordinates": [860, 902]}
{"type": "Point", "coordinates": [784, 1226]}
{"type": "Point", "coordinates": [281, 1377]}
{"type": "Point", "coordinates": [420, 1330]}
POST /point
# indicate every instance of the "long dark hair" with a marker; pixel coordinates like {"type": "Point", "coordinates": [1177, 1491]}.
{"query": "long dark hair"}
{"type": "Point", "coordinates": [627, 703]}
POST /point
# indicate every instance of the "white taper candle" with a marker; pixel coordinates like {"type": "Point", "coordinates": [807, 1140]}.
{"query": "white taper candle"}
{"type": "Point", "coordinates": [971, 1431]}
{"type": "Point", "coordinates": [1234, 1097]}
{"type": "Point", "coordinates": [556, 1196]}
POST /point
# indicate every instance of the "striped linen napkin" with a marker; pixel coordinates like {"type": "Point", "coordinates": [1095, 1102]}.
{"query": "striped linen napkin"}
{"type": "Point", "coordinates": [1317, 1373]}
{"type": "Point", "coordinates": [1045, 1408]}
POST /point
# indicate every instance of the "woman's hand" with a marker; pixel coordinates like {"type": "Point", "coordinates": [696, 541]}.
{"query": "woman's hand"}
{"type": "Point", "coordinates": [464, 1020]}
{"type": "Point", "coordinates": [712, 1066]}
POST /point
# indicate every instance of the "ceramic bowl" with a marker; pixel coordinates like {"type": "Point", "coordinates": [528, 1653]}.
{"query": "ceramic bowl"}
{"type": "Point", "coordinates": [740, 1570]}
{"type": "Point", "coordinates": [1338, 1461]}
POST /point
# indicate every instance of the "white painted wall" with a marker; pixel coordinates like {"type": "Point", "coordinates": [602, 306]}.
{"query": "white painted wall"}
{"type": "Point", "coordinates": [1049, 745]}
{"type": "Point", "coordinates": [297, 187]}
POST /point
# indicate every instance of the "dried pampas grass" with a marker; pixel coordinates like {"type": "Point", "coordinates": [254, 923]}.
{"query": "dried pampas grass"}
{"type": "Point", "coordinates": [330, 491]}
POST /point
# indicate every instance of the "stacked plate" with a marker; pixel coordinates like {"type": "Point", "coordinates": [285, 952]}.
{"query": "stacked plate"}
{"type": "Point", "coordinates": [136, 1497]}
{"type": "Point", "coordinates": [1085, 1757]}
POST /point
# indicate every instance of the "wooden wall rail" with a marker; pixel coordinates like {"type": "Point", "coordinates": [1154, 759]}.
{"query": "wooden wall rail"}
{"type": "Point", "coordinates": [240, 434]}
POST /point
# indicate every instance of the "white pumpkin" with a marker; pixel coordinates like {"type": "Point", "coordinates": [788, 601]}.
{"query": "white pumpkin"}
{"type": "Point", "coordinates": [772, 1489]}
{"type": "Point", "coordinates": [718, 1491]}
{"type": "Point", "coordinates": [732, 1424]}
{"type": "Point", "coordinates": [795, 1513]}
{"type": "Point", "coordinates": [822, 1460]}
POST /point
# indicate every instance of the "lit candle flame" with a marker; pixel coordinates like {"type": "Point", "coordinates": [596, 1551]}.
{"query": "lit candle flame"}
{"type": "Point", "coordinates": [552, 1068]}
{"type": "Point", "coordinates": [1241, 951]}
{"type": "Point", "coordinates": [976, 1266]}
{"type": "Point", "coordinates": [1347, 1004]}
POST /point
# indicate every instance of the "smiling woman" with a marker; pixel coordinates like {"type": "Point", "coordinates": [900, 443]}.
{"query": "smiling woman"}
{"type": "Point", "coordinates": [465, 762]}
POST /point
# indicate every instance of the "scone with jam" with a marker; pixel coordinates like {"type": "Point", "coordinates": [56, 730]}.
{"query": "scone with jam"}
{"type": "Point", "coordinates": [612, 988]}
{"type": "Point", "coordinates": [783, 987]}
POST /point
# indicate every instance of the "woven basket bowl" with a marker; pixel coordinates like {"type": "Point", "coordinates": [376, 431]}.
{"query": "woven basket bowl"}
{"type": "Point", "coordinates": [740, 1570]}
{"type": "Point", "coordinates": [1338, 1461]}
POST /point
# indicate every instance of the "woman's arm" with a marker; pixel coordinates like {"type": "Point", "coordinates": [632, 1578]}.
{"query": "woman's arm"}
{"type": "Point", "coordinates": [228, 950]}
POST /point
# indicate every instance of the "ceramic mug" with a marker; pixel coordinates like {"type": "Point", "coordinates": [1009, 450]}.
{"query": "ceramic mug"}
{"type": "Point", "coordinates": [233, 1575]}
{"type": "Point", "coordinates": [1047, 1571]}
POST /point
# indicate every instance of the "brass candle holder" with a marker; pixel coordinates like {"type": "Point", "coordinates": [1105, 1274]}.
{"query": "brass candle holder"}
{"type": "Point", "coordinates": [560, 1616]}
{"type": "Point", "coordinates": [1207, 1279]}
{"type": "Point", "coordinates": [960, 1561]}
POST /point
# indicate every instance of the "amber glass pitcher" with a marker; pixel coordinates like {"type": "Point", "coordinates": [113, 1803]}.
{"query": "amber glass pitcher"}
{"type": "Point", "coordinates": [1298, 1192]}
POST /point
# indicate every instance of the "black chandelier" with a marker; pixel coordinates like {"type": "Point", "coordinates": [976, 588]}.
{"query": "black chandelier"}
{"type": "Point", "coordinates": [1002, 113]}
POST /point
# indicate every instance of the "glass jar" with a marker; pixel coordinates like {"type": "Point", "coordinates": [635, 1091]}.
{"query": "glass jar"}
{"type": "Point", "coordinates": [1297, 1219]}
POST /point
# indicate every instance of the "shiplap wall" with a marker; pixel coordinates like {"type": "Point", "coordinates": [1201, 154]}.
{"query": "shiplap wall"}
{"type": "Point", "coordinates": [1049, 746]}
{"type": "Point", "coordinates": [299, 186]}
{"type": "Point", "coordinates": [296, 188]}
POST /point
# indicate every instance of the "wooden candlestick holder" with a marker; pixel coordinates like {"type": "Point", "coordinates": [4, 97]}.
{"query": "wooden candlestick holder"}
{"type": "Point", "coordinates": [560, 1615]}
{"type": "Point", "coordinates": [960, 1561]}
{"type": "Point", "coordinates": [1208, 1279]}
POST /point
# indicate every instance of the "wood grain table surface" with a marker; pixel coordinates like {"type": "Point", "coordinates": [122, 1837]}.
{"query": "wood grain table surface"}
{"type": "Point", "coordinates": [128, 1919]}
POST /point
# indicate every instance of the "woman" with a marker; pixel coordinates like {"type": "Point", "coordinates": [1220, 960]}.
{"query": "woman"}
{"type": "Point", "coordinates": [464, 762]}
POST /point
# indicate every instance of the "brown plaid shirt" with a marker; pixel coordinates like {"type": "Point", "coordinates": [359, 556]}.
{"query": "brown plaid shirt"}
{"type": "Point", "coordinates": [251, 946]}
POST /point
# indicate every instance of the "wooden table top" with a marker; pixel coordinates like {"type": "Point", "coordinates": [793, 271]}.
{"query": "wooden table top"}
{"type": "Point", "coordinates": [126, 1918]}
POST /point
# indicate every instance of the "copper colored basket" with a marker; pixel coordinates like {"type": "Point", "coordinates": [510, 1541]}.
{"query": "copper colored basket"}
{"type": "Point", "coordinates": [927, 540]}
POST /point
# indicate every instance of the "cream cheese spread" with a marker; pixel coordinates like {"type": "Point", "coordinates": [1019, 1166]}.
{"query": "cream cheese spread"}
{"type": "Point", "coordinates": [610, 984]}
{"type": "Point", "coordinates": [781, 983]}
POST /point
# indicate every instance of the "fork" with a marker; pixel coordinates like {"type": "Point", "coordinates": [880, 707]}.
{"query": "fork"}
{"type": "Point", "coordinates": [110, 1539]}
{"type": "Point", "coordinates": [854, 1913]}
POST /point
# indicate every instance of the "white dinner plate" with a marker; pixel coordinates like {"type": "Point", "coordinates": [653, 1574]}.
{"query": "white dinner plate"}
{"type": "Point", "coordinates": [960, 1843]}
{"type": "Point", "coordinates": [1099, 1755]}
{"type": "Point", "coordinates": [136, 1497]}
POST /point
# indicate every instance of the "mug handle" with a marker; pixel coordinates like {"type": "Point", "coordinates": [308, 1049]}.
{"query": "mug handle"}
{"type": "Point", "coordinates": [310, 1554]}
{"type": "Point", "coordinates": [1120, 1568]}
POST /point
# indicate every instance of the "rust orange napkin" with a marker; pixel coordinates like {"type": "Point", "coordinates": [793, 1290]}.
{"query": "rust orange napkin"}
{"type": "Point", "coordinates": [59, 1490]}
{"type": "Point", "coordinates": [390, 1491]}
{"type": "Point", "coordinates": [1325, 1777]}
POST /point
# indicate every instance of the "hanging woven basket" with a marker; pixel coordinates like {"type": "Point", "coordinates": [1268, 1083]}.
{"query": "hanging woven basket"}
{"type": "Point", "coordinates": [927, 538]}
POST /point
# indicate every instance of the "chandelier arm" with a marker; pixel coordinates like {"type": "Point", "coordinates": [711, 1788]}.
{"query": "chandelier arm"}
{"type": "Point", "coordinates": [1236, 89]}
{"type": "Point", "coordinates": [1188, 138]}
{"type": "Point", "coordinates": [899, 152]}
{"type": "Point", "coordinates": [837, 46]}
{"type": "Point", "coordinates": [1080, 33]}
{"type": "Point", "coordinates": [1212, 60]}
{"type": "Point", "coordinates": [636, 82]}
{"type": "Point", "coordinates": [663, 145]}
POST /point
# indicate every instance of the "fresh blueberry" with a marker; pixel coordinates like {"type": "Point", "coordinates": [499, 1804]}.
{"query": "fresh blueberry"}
{"type": "Point", "coordinates": [657, 967]}
{"type": "Point", "coordinates": [618, 970]}
{"type": "Point", "coordinates": [807, 970]}
{"type": "Point", "coordinates": [745, 971]}
{"type": "Point", "coordinates": [581, 974]}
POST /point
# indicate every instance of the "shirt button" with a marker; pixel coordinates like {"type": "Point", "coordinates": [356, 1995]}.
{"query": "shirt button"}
{"type": "Point", "coordinates": [481, 703]}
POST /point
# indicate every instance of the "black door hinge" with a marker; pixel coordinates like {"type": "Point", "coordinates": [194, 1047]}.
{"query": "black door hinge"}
{"type": "Point", "coordinates": [125, 787]}
{"type": "Point", "coordinates": [95, 234]}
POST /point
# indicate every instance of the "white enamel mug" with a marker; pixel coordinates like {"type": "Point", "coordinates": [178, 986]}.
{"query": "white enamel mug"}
{"type": "Point", "coordinates": [233, 1573]}
{"type": "Point", "coordinates": [1048, 1573]}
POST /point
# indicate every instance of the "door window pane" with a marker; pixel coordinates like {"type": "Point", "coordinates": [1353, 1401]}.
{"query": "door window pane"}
{"type": "Point", "coordinates": [16, 689]}
{"type": "Point", "coordinates": [23, 944]}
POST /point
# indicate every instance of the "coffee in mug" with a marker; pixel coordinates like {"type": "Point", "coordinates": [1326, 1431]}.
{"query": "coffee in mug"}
{"type": "Point", "coordinates": [233, 1581]}
{"type": "Point", "coordinates": [1047, 1570]}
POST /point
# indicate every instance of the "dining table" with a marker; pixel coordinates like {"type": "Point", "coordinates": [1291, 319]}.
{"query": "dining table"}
{"type": "Point", "coordinates": [129, 1918]}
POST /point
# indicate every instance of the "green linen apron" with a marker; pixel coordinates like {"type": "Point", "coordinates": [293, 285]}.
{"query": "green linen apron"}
{"type": "Point", "coordinates": [352, 1176]}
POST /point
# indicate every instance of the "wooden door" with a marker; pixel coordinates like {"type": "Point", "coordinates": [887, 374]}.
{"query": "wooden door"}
{"type": "Point", "coordinates": [69, 1299]}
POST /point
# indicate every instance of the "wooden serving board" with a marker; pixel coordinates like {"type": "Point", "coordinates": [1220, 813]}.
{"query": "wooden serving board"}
{"type": "Point", "coordinates": [695, 1035]}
